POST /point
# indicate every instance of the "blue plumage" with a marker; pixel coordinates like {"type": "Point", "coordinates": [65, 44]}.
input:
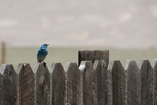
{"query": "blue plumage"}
{"type": "Point", "coordinates": [42, 53]}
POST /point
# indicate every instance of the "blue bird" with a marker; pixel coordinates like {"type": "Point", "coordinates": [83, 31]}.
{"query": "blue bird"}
{"type": "Point", "coordinates": [42, 53]}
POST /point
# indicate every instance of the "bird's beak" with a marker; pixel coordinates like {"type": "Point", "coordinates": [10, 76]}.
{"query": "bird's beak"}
{"type": "Point", "coordinates": [47, 44]}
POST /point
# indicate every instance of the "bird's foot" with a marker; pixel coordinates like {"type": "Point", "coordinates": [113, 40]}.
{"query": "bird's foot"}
{"type": "Point", "coordinates": [44, 64]}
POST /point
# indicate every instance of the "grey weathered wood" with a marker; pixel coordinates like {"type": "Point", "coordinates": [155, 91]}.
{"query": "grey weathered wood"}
{"type": "Point", "coordinates": [8, 85]}
{"type": "Point", "coordinates": [100, 77]}
{"type": "Point", "coordinates": [133, 83]}
{"type": "Point", "coordinates": [42, 84]}
{"type": "Point", "coordinates": [26, 83]}
{"type": "Point", "coordinates": [87, 94]}
{"type": "Point", "coordinates": [116, 86]}
{"type": "Point", "coordinates": [72, 84]}
{"type": "Point", "coordinates": [154, 64]}
{"type": "Point", "coordinates": [146, 82]}
{"type": "Point", "coordinates": [92, 55]}
{"type": "Point", "coordinates": [109, 84]}
{"type": "Point", "coordinates": [57, 84]}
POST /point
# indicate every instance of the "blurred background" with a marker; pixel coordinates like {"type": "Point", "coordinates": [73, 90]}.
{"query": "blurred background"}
{"type": "Point", "coordinates": [127, 28]}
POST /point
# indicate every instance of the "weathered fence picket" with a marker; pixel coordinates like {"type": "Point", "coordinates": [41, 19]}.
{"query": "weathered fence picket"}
{"type": "Point", "coordinates": [116, 85]}
{"type": "Point", "coordinates": [57, 84]}
{"type": "Point", "coordinates": [87, 82]}
{"type": "Point", "coordinates": [8, 85]}
{"type": "Point", "coordinates": [72, 74]}
{"type": "Point", "coordinates": [133, 83]}
{"type": "Point", "coordinates": [146, 82]}
{"type": "Point", "coordinates": [42, 84]}
{"type": "Point", "coordinates": [100, 81]}
{"type": "Point", "coordinates": [26, 83]}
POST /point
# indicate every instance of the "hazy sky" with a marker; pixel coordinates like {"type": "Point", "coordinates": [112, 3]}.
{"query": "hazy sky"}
{"type": "Point", "coordinates": [111, 23]}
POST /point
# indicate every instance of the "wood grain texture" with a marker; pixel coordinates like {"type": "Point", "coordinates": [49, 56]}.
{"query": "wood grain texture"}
{"type": "Point", "coordinates": [133, 83]}
{"type": "Point", "coordinates": [26, 83]}
{"type": "Point", "coordinates": [87, 93]}
{"type": "Point", "coordinates": [57, 84]}
{"type": "Point", "coordinates": [100, 81]}
{"type": "Point", "coordinates": [8, 85]}
{"type": "Point", "coordinates": [82, 69]}
{"type": "Point", "coordinates": [154, 64]}
{"type": "Point", "coordinates": [109, 84]}
{"type": "Point", "coordinates": [92, 55]}
{"type": "Point", "coordinates": [42, 84]}
{"type": "Point", "coordinates": [72, 84]}
{"type": "Point", "coordinates": [116, 86]}
{"type": "Point", "coordinates": [146, 82]}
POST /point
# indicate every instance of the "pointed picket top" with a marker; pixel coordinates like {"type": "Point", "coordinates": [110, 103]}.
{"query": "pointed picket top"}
{"type": "Point", "coordinates": [72, 83]}
{"type": "Point", "coordinates": [42, 84]}
{"type": "Point", "coordinates": [144, 64]}
{"type": "Point", "coordinates": [115, 65]}
{"type": "Point", "coordinates": [146, 82]}
{"type": "Point", "coordinates": [40, 66]}
{"type": "Point", "coordinates": [100, 78]}
{"type": "Point", "coordinates": [57, 84]}
{"type": "Point", "coordinates": [55, 67]}
{"type": "Point", "coordinates": [131, 64]}
{"type": "Point", "coordinates": [8, 85]}
{"type": "Point", "coordinates": [8, 71]}
{"type": "Point", "coordinates": [7, 67]}
{"type": "Point", "coordinates": [23, 67]}
{"type": "Point", "coordinates": [116, 83]}
{"type": "Point", "coordinates": [70, 66]}
{"type": "Point", "coordinates": [26, 83]}
{"type": "Point", "coordinates": [87, 94]}
{"type": "Point", "coordinates": [133, 83]}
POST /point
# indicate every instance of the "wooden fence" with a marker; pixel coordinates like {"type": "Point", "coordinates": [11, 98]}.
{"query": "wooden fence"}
{"type": "Point", "coordinates": [95, 82]}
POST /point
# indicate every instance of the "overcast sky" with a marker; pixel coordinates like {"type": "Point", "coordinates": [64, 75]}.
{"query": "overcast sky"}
{"type": "Point", "coordinates": [110, 23]}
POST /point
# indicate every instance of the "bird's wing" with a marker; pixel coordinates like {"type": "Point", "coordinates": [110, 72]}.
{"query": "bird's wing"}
{"type": "Point", "coordinates": [41, 55]}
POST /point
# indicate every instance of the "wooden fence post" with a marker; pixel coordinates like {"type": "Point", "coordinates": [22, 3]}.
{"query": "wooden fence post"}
{"type": "Point", "coordinates": [133, 83]}
{"type": "Point", "coordinates": [57, 84]}
{"type": "Point", "coordinates": [42, 84]}
{"type": "Point", "coordinates": [72, 74]}
{"type": "Point", "coordinates": [8, 85]}
{"type": "Point", "coordinates": [146, 82]}
{"type": "Point", "coordinates": [87, 93]}
{"type": "Point", "coordinates": [26, 83]}
{"type": "Point", "coordinates": [89, 55]}
{"type": "Point", "coordinates": [100, 78]}
{"type": "Point", "coordinates": [116, 84]}
{"type": "Point", "coordinates": [154, 64]}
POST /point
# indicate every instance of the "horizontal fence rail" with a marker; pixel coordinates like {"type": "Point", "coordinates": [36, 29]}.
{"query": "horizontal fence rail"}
{"type": "Point", "coordinates": [91, 83]}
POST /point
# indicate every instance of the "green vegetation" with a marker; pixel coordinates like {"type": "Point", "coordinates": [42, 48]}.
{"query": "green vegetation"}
{"type": "Point", "coordinates": [29, 55]}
